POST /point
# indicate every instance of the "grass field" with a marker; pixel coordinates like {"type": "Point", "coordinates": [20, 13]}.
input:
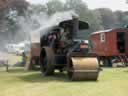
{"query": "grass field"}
{"type": "Point", "coordinates": [112, 82]}
{"type": "Point", "coordinates": [17, 82]}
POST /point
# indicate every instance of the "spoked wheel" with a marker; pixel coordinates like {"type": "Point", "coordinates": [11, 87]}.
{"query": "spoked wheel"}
{"type": "Point", "coordinates": [47, 61]}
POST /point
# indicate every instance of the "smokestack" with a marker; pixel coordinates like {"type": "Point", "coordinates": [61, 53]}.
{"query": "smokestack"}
{"type": "Point", "coordinates": [75, 26]}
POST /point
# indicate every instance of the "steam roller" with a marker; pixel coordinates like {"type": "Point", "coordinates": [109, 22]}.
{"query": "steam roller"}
{"type": "Point", "coordinates": [60, 50]}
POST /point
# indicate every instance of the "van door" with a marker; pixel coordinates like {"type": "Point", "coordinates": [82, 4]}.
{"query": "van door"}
{"type": "Point", "coordinates": [121, 42]}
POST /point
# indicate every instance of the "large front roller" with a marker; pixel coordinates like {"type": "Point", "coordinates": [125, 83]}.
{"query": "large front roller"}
{"type": "Point", "coordinates": [47, 61]}
{"type": "Point", "coordinates": [83, 68]}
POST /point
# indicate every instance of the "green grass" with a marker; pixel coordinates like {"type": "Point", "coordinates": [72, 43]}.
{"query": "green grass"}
{"type": "Point", "coordinates": [17, 82]}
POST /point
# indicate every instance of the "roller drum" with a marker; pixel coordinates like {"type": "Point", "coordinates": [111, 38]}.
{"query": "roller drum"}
{"type": "Point", "coordinates": [83, 68]}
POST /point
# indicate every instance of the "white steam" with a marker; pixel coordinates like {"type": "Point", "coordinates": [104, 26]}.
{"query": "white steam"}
{"type": "Point", "coordinates": [41, 22]}
{"type": "Point", "coordinates": [54, 20]}
{"type": "Point", "coordinates": [37, 24]}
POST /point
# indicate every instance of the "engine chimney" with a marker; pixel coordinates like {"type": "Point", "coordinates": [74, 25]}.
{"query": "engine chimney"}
{"type": "Point", "coordinates": [75, 26]}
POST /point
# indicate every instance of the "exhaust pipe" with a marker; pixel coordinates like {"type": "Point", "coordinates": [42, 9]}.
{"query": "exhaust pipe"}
{"type": "Point", "coordinates": [75, 27]}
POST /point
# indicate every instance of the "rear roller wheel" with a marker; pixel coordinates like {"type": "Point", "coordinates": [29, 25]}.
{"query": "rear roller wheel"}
{"type": "Point", "coordinates": [47, 61]}
{"type": "Point", "coordinates": [83, 68]}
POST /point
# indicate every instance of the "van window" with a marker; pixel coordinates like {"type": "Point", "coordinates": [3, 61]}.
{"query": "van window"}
{"type": "Point", "coordinates": [102, 37]}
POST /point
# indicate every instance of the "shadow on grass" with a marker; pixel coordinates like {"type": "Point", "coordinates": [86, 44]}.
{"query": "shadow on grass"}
{"type": "Point", "coordinates": [20, 70]}
{"type": "Point", "coordinates": [16, 70]}
{"type": "Point", "coordinates": [38, 77]}
{"type": "Point", "coordinates": [57, 77]}
{"type": "Point", "coordinates": [126, 71]}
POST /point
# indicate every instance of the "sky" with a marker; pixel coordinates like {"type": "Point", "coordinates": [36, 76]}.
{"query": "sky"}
{"type": "Point", "coordinates": [92, 4]}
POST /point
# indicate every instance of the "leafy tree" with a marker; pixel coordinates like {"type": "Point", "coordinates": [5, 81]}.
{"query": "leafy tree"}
{"type": "Point", "coordinates": [9, 10]}
{"type": "Point", "coordinates": [38, 8]}
{"type": "Point", "coordinates": [120, 15]}
{"type": "Point", "coordinates": [109, 20]}
{"type": "Point", "coordinates": [54, 6]}
{"type": "Point", "coordinates": [90, 16]}
{"type": "Point", "coordinates": [124, 21]}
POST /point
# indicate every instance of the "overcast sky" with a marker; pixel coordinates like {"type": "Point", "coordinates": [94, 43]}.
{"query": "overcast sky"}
{"type": "Point", "coordinates": [92, 4]}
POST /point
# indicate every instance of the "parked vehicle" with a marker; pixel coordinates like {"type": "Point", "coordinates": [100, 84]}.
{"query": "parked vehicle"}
{"type": "Point", "coordinates": [111, 45]}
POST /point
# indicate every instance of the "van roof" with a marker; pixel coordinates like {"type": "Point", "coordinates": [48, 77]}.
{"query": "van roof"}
{"type": "Point", "coordinates": [102, 31]}
{"type": "Point", "coordinates": [108, 30]}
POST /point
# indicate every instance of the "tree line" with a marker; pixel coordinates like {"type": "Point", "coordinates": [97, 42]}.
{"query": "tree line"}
{"type": "Point", "coordinates": [98, 19]}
